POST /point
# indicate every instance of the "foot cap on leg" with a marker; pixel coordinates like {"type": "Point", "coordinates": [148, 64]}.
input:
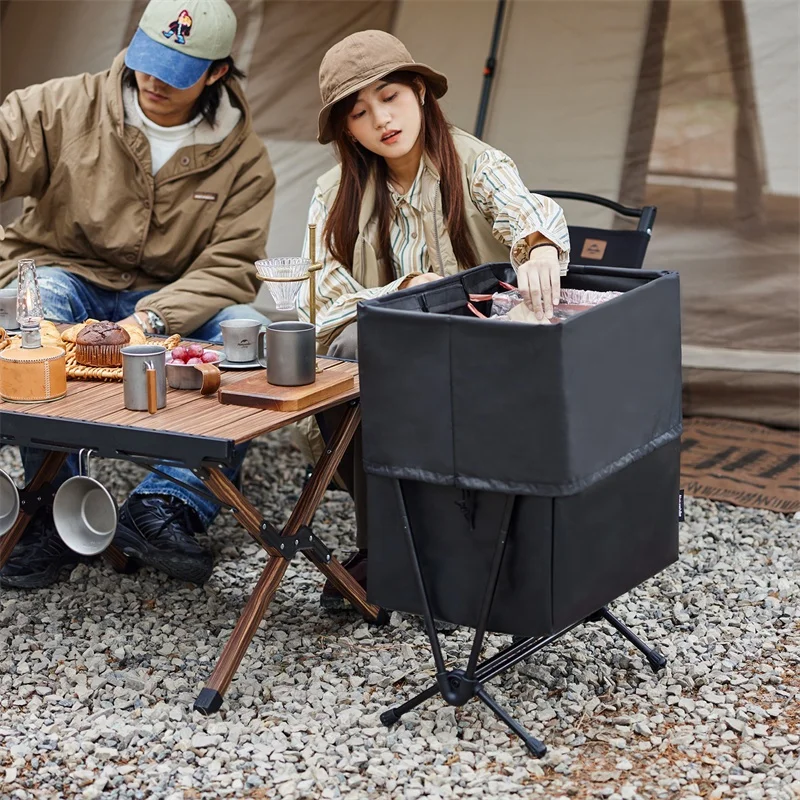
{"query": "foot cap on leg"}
{"type": "Point", "coordinates": [656, 660]}
{"type": "Point", "coordinates": [209, 701]}
{"type": "Point", "coordinates": [536, 748]}
{"type": "Point", "coordinates": [388, 718]}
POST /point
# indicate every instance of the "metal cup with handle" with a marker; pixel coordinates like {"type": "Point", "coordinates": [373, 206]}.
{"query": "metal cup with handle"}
{"type": "Point", "coordinates": [9, 502]}
{"type": "Point", "coordinates": [144, 379]}
{"type": "Point", "coordinates": [205, 377]}
{"type": "Point", "coordinates": [84, 513]}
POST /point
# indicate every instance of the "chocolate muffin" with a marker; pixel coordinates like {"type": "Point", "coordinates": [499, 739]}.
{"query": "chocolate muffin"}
{"type": "Point", "coordinates": [100, 345]}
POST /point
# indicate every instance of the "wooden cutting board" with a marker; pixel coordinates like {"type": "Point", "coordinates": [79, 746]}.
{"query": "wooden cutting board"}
{"type": "Point", "coordinates": [256, 392]}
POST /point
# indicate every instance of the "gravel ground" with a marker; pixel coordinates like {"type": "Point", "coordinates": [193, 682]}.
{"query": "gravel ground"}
{"type": "Point", "coordinates": [98, 675]}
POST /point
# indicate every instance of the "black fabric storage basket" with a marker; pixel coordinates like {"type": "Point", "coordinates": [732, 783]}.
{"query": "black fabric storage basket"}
{"type": "Point", "coordinates": [580, 419]}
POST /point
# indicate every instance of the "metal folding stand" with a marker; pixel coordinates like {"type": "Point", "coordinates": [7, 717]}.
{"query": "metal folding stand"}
{"type": "Point", "coordinates": [458, 686]}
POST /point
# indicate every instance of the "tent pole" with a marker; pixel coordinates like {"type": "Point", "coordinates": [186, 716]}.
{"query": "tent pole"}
{"type": "Point", "coordinates": [488, 70]}
{"type": "Point", "coordinates": [642, 123]}
{"type": "Point", "coordinates": [748, 145]}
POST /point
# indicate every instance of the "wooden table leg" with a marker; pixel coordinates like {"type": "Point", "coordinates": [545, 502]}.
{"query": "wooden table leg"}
{"type": "Point", "coordinates": [117, 560]}
{"type": "Point", "coordinates": [210, 698]}
{"type": "Point", "coordinates": [308, 503]}
{"type": "Point", "coordinates": [348, 587]}
{"type": "Point", "coordinates": [304, 510]}
{"type": "Point", "coordinates": [44, 475]}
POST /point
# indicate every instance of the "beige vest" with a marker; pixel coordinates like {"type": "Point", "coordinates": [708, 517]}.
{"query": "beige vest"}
{"type": "Point", "coordinates": [366, 266]}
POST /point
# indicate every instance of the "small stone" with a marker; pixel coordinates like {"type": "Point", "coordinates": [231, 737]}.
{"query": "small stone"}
{"type": "Point", "coordinates": [201, 741]}
{"type": "Point", "coordinates": [735, 724]}
{"type": "Point", "coordinates": [776, 742]}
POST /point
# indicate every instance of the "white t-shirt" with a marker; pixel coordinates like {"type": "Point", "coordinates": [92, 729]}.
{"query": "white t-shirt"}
{"type": "Point", "coordinates": [165, 142]}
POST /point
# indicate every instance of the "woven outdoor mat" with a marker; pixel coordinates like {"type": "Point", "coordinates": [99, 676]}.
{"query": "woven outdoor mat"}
{"type": "Point", "coordinates": [741, 463]}
{"type": "Point", "coordinates": [76, 371]}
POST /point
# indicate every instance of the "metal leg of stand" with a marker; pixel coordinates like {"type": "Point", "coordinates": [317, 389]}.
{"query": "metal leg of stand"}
{"type": "Point", "coordinates": [457, 687]}
{"type": "Point", "coordinates": [491, 586]}
{"type": "Point", "coordinates": [535, 747]}
{"type": "Point", "coordinates": [430, 627]}
{"type": "Point", "coordinates": [388, 718]}
{"type": "Point", "coordinates": [656, 660]}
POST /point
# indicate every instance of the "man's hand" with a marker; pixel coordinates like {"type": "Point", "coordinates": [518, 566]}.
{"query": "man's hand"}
{"type": "Point", "coordinates": [539, 281]}
{"type": "Point", "coordinates": [418, 280]}
{"type": "Point", "coordinates": [130, 321]}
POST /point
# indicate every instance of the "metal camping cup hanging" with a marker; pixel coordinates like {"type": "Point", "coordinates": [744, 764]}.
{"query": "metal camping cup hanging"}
{"type": "Point", "coordinates": [84, 512]}
{"type": "Point", "coordinates": [283, 277]}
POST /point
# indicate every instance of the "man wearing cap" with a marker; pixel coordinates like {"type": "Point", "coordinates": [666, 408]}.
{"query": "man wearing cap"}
{"type": "Point", "coordinates": [150, 198]}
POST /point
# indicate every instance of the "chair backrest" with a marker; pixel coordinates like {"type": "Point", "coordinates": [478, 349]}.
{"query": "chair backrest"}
{"type": "Point", "coordinates": [603, 247]}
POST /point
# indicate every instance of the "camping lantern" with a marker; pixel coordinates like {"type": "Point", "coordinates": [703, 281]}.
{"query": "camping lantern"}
{"type": "Point", "coordinates": [29, 304]}
{"type": "Point", "coordinates": [31, 373]}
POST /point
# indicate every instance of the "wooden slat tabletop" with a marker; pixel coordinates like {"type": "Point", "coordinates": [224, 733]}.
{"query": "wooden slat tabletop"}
{"type": "Point", "coordinates": [186, 412]}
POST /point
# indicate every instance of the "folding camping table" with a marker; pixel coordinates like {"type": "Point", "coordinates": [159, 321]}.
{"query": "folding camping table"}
{"type": "Point", "coordinates": [200, 434]}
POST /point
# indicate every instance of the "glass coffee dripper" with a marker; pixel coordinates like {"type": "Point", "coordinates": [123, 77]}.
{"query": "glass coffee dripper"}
{"type": "Point", "coordinates": [284, 277]}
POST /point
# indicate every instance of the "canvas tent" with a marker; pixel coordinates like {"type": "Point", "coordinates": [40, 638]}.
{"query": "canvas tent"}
{"type": "Point", "coordinates": [692, 106]}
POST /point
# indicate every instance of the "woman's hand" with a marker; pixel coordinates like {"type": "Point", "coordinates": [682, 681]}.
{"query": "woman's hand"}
{"type": "Point", "coordinates": [539, 281]}
{"type": "Point", "coordinates": [419, 280]}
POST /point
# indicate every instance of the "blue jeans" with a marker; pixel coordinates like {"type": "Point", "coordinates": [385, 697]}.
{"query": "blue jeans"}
{"type": "Point", "coordinates": [68, 298]}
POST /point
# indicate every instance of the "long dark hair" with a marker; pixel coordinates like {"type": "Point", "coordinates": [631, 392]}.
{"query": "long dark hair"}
{"type": "Point", "coordinates": [358, 163]}
{"type": "Point", "coordinates": [208, 102]}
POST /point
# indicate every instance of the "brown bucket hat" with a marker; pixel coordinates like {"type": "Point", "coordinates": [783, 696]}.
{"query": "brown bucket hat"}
{"type": "Point", "coordinates": [356, 62]}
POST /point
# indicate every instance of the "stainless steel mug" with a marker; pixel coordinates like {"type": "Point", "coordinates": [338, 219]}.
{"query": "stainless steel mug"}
{"type": "Point", "coordinates": [291, 353]}
{"type": "Point", "coordinates": [9, 502]}
{"type": "Point", "coordinates": [8, 309]}
{"type": "Point", "coordinates": [240, 339]}
{"type": "Point", "coordinates": [144, 377]}
{"type": "Point", "coordinates": [84, 513]}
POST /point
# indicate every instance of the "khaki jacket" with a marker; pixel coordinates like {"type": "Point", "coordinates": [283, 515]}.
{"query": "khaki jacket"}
{"type": "Point", "coordinates": [191, 232]}
{"type": "Point", "coordinates": [368, 270]}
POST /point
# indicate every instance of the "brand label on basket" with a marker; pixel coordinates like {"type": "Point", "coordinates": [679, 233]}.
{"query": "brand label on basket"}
{"type": "Point", "coordinates": [592, 248]}
{"type": "Point", "coordinates": [680, 506]}
{"type": "Point", "coordinates": [205, 196]}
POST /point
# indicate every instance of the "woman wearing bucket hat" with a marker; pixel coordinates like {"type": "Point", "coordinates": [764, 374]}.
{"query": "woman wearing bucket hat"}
{"type": "Point", "coordinates": [412, 200]}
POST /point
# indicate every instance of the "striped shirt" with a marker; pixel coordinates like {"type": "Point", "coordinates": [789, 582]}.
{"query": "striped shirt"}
{"type": "Point", "coordinates": [497, 191]}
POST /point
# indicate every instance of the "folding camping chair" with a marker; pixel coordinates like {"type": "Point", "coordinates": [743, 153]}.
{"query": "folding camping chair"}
{"type": "Point", "coordinates": [603, 247]}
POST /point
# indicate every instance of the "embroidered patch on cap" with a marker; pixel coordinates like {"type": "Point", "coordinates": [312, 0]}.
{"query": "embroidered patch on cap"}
{"type": "Point", "coordinates": [205, 195]}
{"type": "Point", "coordinates": [179, 28]}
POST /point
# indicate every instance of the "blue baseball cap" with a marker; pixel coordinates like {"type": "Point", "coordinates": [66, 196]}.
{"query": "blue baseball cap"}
{"type": "Point", "coordinates": [177, 40]}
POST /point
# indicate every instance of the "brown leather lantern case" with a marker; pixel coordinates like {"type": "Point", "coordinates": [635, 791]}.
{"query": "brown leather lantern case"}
{"type": "Point", "coordinates": [34, 375]}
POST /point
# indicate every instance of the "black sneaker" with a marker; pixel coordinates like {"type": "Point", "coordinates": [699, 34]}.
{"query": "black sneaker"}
{"type": "Point", "coordinates": [356, 564]}
{"type": "Point", "coordinates": [159, 530]}
{"type": "Point", "coordinates": [40, 558]}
